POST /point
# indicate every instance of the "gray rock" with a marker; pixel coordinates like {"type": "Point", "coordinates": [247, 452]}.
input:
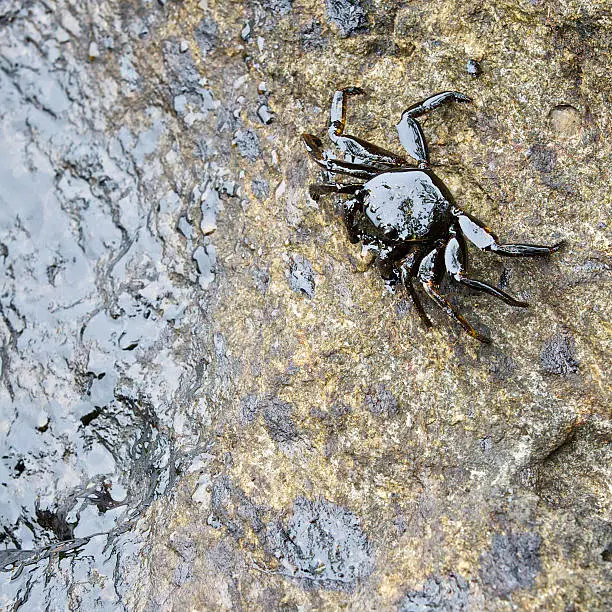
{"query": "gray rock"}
{"type": "Point", "coordinates": [440, 593]}
{"type": "Point", "coordinates": [512, 563]}
{"type": "Point", "coordinates": [348, 15]}
{"type": "Point", "coordinates": [322, 544]}
{"type": "Point", "coordinates": [558, 355]}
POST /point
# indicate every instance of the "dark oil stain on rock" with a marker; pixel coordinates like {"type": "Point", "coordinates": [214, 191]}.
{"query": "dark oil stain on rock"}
{"type": "Point", "coordinates": [512, 563]}
{"type": "Point", "coordinates": [311, 36]}
{"type": "Point", "coordinates": [232, 509]}
{"type": "Point", "coordinates": [206, 35]}
{"type": "Point", "coordinates": [260, 188]}
{"type": "Point", "coordinates": [441, 593]}
{"type": "Point", "coordinates": [542, 158]}
{"type": "Point", "coordinates": [247, 143]}
{"type": "Point", "coordinates": [348, 15]}
{"type": "Point", "coordinates": [301, 276]}
{"type": "Point", "coordinates": [278, 419]}
{"type": "Point", "coordinates": [277, 7]}
{"type": "Point", "coordinates": [473, 68]}
{"type": "Point", "coordinates": [322, 544]}
{"type": "Point", "coordinates": [558, 355]}
{"type": "Point", "coordinates": [381, 402]}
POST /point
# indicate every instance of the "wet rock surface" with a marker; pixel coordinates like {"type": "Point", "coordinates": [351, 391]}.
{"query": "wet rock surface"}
{"type": "Point", "coordinates": [512, 563]}
{"type": "Point", "coordinates": [558, 355]}
{"type": "Point", "coordinates": [446, 594]}
{"type": "Point", "coordinates": [322, 545]}
{"type": "Point", "coordinates": [347, 15]}
{"type": "Point", "coordinates": [207, 397]}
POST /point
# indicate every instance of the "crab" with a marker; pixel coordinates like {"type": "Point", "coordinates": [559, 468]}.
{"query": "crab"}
{"type": "Point", "coordinates": [405, 214]}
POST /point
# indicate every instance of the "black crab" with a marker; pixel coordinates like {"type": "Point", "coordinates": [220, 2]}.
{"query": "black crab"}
{"type": "Point", "coordinates": [406, 215]}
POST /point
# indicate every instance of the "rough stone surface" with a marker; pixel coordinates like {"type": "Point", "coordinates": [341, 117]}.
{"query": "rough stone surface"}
{"type": "Point", "coordinates": [558, 355]}
{"type": "Point", "coordinates": [512, 563]}
{"type": "Point", "coordinates": [348, 15]}
{"type": "Point", "coordinates": [208, 400]}
{"type": "Point", "coordinates": [444, 594]}
{"type": "Point", "coordinates": [322, 544]}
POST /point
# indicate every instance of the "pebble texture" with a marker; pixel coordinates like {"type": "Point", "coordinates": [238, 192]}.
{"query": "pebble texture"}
{"type": "Point", "coordinates": [208, 398]}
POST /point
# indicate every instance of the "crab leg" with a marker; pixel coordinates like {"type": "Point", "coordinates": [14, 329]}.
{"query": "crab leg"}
{"type": "Point", "coordinates": [406, 273]}
{"type": "Point", "coordinates": [430, 271]}
{"type": "Point", "coordinates": [451, 311]}
{"type": "Point", "coordinates": [410, 132]}
{"type": "Point", "coordinates": [454, 261]}
{"type": "Point", "coordinates": [412, 139]}
{"type": "Point", "coordinates": [314, 146]}
{"type": "Point", "coordinates": [349, 210]}
{"type": "Point", "coordinates": [318, 189]}
{"type": "Point", "coordinates": [338, 108]}
{"type": "Point", "coordinates": [477, 233]}
{"type": "Point", "coordinates": [417, 302]}
{"type": "Point", "coordinates": [420, 108]}
{"type": "Point", "coordinates": [355, 149]}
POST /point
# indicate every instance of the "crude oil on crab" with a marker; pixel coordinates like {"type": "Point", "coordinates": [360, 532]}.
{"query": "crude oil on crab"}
{"type": "Point", "coordinates": [406, 215]}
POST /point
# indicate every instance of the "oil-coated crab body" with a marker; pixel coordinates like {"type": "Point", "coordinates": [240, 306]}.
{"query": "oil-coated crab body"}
{"type": "Point", "coordinates": [406, 206]}
{"type": "Point", "coordinates": [406, 214]}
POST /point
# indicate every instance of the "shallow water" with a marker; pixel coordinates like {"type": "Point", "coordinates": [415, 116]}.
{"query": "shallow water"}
{"type": "Point", "coordinates": [92, 426]}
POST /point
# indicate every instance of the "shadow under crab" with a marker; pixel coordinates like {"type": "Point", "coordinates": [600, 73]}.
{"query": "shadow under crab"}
{"type": "Point", "coordinates": [406, 215]}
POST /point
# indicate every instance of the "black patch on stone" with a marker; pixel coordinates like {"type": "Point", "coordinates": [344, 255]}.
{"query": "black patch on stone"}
{"type": "Point", "coordinates": [558, 355]}
{"type": "Point", "coordinates": [348, 15]}
{"type": "Point", "coordinates": [260, 188]}
{"type": "Point", "coordinates": [311, 37]}
{"type": "Point", "coordinates": [206, 36]}
{"type": "Point", "coordinates": [233, 509]}
{"type": "Point", "coordinates": [56, 522]}
{"type": "Point", "coordinates": [280, 8]}
{"type": "Point", "coordinates": [473, 68]}
{"type": "Point", "coordinates": [322, 544]}
{"type": "Point", "coordinates": [512, 563]}
{"type": "Point", "coordinates": [279, 421]}
{"type": "Point", "coordinates": [249, 407]}
{"type": "Point", "coordinates": [542, 158]}
{"type": "Point", "coordinates": [381, 402]}
{"type": "Point", "coordinates": [247, 143]}
{"type": "Point", "coordinates": [301, 276]}
{"type": "Point", "coordinates": [442, 594]}
{"type": "Point", "coordinates": [261, 279]}
{"type": "Point", "coordinates": [183, 76]}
